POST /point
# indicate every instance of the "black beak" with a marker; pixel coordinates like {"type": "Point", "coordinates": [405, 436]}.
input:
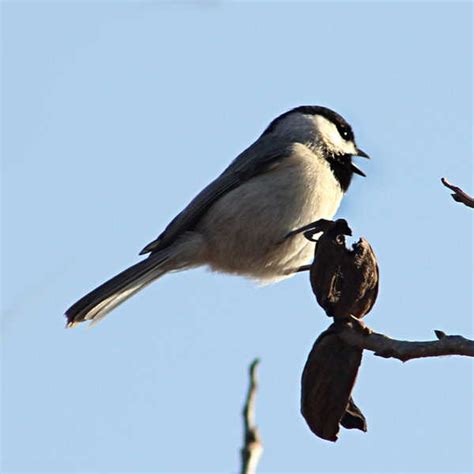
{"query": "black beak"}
{"type": "Point", "coordinates": [357, 170]}
{"type": "Point", "coordinates": [354, 168]}
{"type": "Point", "coordinates": [362, 153]}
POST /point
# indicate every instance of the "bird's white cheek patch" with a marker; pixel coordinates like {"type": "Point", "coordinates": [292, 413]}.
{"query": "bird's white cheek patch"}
{"type": "Point", "coordinates": [331, 136]}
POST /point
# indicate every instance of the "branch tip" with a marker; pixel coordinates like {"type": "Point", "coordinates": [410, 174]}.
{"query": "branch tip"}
{"type": "Point", "coordinates": [459, 195]}
{"type": "Point", "coordinates": [254, 364]}
{"type": "Point", "coordinates": [252, 448]}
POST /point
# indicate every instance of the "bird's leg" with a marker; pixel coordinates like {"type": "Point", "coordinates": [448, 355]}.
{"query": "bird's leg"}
{"type": "Point", "coordinates": [321, 225]}
{"type": "Point", "coordinates": [303, 268]}
{"type": "Point", "coordinates": [307, 229]}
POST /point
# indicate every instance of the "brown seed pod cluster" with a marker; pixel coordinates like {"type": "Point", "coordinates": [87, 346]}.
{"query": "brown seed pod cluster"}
{"type": "Point", "coordinates": [345, 283]}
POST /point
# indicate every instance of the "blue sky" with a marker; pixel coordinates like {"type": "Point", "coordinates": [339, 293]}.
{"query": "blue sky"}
{"type": "Point", "coordinates": [114, 115]}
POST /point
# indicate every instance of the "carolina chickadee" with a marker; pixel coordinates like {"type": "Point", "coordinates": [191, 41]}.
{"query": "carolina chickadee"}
{"type": "Point", "coordinates": [295, 173]}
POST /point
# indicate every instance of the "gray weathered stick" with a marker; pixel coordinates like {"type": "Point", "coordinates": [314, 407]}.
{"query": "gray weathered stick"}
{"type": "Point", "coordinates": [384, 346]}
{"type": "Point", "coordinates": [459, 195]}
{"type": "Point", "coordinates": [252, 448]}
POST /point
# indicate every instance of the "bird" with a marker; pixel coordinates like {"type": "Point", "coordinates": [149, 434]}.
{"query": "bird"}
{"type": "Point", "coordinates": [296, 172]}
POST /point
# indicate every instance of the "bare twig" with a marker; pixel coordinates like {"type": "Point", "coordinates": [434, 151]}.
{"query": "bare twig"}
{"type": "Point", "coordinates": [252, 448]}
{"type": "Point", "coordinates": [459, 195]}
{"type": "Point", "coordinates": [384, 346]}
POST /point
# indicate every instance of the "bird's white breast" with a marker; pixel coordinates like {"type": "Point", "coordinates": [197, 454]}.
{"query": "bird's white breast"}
{"type": "Point", "coordinates": [244, 231]}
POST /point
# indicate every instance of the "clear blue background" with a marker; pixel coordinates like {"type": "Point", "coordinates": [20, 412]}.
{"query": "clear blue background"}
{"type": "Point", "coordinates": [114, 115]}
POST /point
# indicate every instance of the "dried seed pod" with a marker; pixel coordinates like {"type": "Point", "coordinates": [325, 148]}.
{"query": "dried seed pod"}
{"type": "Point", "coordinates": [345, 282]}
{"type": "Point", "coordinates": [326, 385]}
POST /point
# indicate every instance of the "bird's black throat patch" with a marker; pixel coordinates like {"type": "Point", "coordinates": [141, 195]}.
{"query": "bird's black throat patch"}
{"type": "Point", "coordinates": [341, 166]}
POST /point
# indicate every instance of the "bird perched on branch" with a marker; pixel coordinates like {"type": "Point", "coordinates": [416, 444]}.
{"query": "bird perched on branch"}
{"type": "Point", "coordinates": [296, 172]}
{"type": "Point", "coordinates": [345, 283]}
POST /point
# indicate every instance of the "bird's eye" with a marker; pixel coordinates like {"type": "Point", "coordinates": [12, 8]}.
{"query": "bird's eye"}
{"type": "Point", "coordinates": [345, 133]}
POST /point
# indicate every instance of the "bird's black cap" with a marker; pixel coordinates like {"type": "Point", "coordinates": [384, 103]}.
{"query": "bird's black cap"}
{"type": "Point", "coordinates": [344, 128]}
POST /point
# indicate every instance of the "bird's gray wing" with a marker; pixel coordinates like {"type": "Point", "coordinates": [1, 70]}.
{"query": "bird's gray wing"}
{"type": "Point", "coordinates": [264, 154]}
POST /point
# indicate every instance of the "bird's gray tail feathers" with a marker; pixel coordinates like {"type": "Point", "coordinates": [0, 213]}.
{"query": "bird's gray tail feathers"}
{"type": "Point", "coordinates": [96, 304]}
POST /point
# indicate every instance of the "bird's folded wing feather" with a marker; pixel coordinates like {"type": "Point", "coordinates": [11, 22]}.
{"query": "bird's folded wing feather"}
{"type": "Point", "coordinates": [258, 158]}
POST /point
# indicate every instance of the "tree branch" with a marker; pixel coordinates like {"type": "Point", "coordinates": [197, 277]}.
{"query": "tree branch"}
{"type": "Point", "coordinates": [384, 346]}
{"type": "Point", "coordinates": [252, 449]}
{"type": "Point", "coordinates": [459, 195]}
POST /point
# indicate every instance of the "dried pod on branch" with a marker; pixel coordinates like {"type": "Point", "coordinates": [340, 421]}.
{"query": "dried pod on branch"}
{"type": "Point", "coordinates": [326, 385]}
{"type": "Point", "coordinates": [345, 283]}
